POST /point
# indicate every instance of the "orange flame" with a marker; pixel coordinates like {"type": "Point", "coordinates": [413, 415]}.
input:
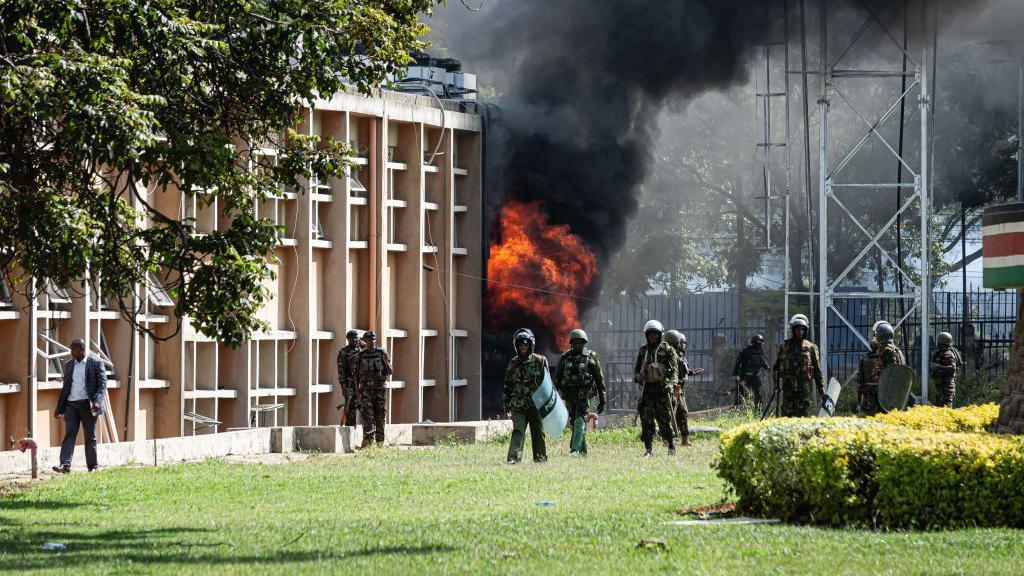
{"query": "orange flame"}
{"type": "Point", "coordinates": [538, 269]}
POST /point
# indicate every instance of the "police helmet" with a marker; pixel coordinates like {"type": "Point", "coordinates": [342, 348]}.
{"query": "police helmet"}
{"type": "Point", "coordinates": [578, 334]}
{"type": "Point", "coordinates": [674, 337]}
{"type": "Point", "coordinates": [757, 339]}
{"type": "Point", "coordinates": [944, 339]}
{"type": "Point", "coordinates": [884, 332]}
{"type": "Point", "coordinates": [654, 326]}
{"type": "Point", "coordinates": [523, 335]}
{"type": "Point", "coordinates": [369, 335]}
{"type": "Point", "coordinates": [799, 320]}
{"type": "Point", "coordinates": [352, 334]}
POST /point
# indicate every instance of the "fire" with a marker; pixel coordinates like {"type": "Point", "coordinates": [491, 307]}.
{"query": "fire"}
{"type": "Point", "coordinates": [538, 269]}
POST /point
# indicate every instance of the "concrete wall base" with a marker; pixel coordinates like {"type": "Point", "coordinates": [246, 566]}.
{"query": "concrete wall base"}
{"type": "Point", "coordinates": [329, 439]}
{"type": "Point", "coordinates": [461, 432]}
{"type": "Point", "coordinates": [149, 452]}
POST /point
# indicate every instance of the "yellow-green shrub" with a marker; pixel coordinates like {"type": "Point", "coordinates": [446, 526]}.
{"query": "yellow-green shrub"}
{"type": "Point", "coordinates": [759, 461]}
{"type": "Point", "coordinates": [848, 471]}
{"type": "Point", "coordinates": [968, 419]}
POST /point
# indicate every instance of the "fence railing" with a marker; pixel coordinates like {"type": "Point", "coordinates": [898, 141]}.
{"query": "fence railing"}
{"type": "Point", "coordinates": [716, 332]}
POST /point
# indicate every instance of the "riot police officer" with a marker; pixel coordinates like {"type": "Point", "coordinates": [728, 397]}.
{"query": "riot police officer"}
{"type": "Point", "coordinates": [347, 378]}
{"type": "Point", "coordinates": [578, 378]}
{"type": "Point", "coordinates": [796, 369]}
{"type": "Point", "coordinates": [943, 367]}
{"type": "Point", "coordinates": [372, 368]}
{"type": "Point", "coordinates": [747, 370]}
{"type": "Point", "coordinates": [656, 370]}
{"type": "Point", "coordinates": [680, 412]}
{"type": "Point", "coordinates": [523, 376]}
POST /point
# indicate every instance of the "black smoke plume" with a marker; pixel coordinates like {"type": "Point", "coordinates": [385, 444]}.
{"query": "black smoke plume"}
{"type": "Point", "coordinates": [581, 84]}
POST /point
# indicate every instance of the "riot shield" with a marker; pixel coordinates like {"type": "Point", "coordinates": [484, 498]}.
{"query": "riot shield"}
{"type": "Point", "coordinates": [552, 410]}
{"type": "Point", "coordinates": [894, 387]}
{"type": "Point", "coordinates": [828, 403]}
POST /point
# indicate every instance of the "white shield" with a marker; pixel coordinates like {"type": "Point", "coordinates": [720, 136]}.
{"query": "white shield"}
{"type": "Point", "coordinates": [552, 410]}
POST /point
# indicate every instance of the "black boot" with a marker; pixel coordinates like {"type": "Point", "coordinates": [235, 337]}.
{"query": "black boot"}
{"type": "Point", "coordinates": [648, 446]}
{"type": "Point", "coordinates": [671, 447]}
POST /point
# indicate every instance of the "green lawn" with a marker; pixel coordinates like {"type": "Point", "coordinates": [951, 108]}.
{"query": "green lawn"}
{"type": "Point", "coordinates": [448, 510]}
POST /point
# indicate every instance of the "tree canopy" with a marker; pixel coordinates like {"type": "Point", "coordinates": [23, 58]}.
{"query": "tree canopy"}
{"type": "Point", "coordinates": [102, 99]}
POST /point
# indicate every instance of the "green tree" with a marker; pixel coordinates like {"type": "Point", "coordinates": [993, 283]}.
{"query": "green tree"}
{"type": "Point", "coordinates": [100, 99]}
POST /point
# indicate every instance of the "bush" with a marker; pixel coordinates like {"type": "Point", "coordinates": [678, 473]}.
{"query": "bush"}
{"type": "Point", "coordinates": [866, 472]}
{"type": "Point", "coordinates": [759, 461]}
{"type": "Point", "coordinates": [977, 388]}
{"type": "Point", "coordinates": [970, 419]}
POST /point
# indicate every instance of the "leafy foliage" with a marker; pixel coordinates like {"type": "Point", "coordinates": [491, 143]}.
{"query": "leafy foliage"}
{"type": "Point", "coordinates": [108, 104]}
{"type": "Point", "coordinates": [970, 419]}
{"type": "Point", "coordinates": [925, 468]}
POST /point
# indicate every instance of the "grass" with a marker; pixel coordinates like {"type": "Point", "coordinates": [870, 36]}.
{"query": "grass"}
{"type": "Point", "coordinates": [450, 509]}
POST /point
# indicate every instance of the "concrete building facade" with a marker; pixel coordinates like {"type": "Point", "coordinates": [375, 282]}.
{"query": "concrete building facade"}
{"type": "Point", "coordinates": [394, 247]}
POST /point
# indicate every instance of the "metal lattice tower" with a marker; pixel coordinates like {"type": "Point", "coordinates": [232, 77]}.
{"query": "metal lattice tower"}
{"type": "Point", "coordinates": [838, 180]}
{"type": "Point", "coordinates": [771, 90]}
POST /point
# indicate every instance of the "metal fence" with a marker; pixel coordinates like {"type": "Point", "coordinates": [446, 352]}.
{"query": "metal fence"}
{"type": "Point", "coordinates": [716, 332]}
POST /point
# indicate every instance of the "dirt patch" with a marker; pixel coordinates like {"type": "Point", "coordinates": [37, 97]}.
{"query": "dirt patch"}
{"type": "Point", "coordinates": [287, 458]}
{"type": "Point", "coordinates": [720, 510]}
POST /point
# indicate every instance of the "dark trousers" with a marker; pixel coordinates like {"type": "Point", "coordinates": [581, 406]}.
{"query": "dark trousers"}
{"type": "Point", "coordinates": [523, 418]}
{"type": "Point", "coordinates": [374, 410]}
{"type": "Point", "coordinates": [78, 414]}
{"type": "Point", "coordinates": [656, 408]}
{"type": "Point", "coordinates": [749, 386]}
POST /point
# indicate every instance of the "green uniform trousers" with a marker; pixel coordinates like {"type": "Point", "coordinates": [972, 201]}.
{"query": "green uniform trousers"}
{"type": "Point", "coordinates": [521, 418]}
{"type": "Point", "coordinates": [578, 420]}
{"type": "Point", "coordinates": [796, 398]}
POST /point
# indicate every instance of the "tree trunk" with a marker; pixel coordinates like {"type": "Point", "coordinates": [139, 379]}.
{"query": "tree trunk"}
{"type": "Point", "coordinates": [1011, 411]}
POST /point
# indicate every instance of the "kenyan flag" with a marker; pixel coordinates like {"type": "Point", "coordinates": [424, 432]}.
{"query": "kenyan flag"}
{"type": "Point", "coordinates": [1002, 248]}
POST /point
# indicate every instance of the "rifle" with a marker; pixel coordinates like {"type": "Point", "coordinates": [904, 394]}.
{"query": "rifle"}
{"type": "Point", "coordinates": [673, 404]}
{"type": "Point", "coordinates": [768, 404]}
{"type": "Point", "coordinates": [639, 399]}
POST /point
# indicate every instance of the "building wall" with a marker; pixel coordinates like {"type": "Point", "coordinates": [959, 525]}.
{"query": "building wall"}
{"type": "Point", "coordinates": [401, 257]}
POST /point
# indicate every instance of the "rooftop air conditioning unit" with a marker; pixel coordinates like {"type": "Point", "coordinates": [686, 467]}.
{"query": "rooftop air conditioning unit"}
{"type": "Point", "coordinates": [429, 74]}
{"type": "Point", "coordinates": [461, 85]}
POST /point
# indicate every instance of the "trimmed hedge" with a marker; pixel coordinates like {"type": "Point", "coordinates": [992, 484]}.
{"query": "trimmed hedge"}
{"type": "Point", "coordinates": [968, 419]}
{"type": "Point", "coordinates": [863, 472]}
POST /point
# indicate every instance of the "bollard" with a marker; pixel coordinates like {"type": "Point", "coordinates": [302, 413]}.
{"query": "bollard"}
{"type": "Point", "coordinates": [30, 444]}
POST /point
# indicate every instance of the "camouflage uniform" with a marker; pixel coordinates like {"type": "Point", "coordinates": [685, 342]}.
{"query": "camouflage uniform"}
{"type": "Point", "coordinates": [748, 368]}
{"type": "Point", "coordinates": [578, 378]}
{"type": "Point", "coordinates": [682, 414]}
{"type": "Point", "coordinates": [522, 378]}
{"type": "Point", "coordinates": [944, 364]}
{"type": "Point", "coordinates": [347, 381]}
{"type": "Point", "coordinates": [798, 367]}
{"type": "Point", "coordinates": [868, 370]}
{"type": "Point", "coordinates": [372, 368]}
{"type": "Point", "coordinates": [656, 397]}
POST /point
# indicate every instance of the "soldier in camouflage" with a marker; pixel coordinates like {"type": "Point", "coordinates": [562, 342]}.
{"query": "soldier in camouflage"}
{"type": "Point", "coordinates": [656, 370]}
{"type": "Point", "coordinates": [944, 364]}
{"type": "Point", "coordinates": [372, 368]}
{"type": "Point", "coordinates": [578, 378]}
{"type": "Point", "coordinates": [747, 371]}
{"type": "Point", "coordinates": [524, 375]}
{"type": "Point", "coordinates": [347, 379]}
{"type": "Point", "coordinates": [798, 368]}
{"type": "Point", "coordinates": [868, 370]}
{"type": "Point", "coordinates": [677, 340]}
